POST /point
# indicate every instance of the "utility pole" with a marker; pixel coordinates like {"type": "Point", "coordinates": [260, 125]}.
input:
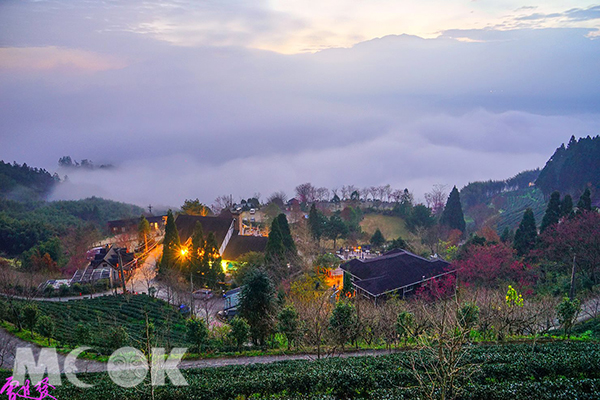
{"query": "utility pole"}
{"type": "Point", "coordinates": [572, 291]}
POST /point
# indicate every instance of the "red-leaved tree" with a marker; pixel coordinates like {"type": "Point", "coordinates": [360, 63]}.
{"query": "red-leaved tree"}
{"type": "Point", "coordinates": [491, 265]}
{"type": "Point", "coordinates": [577, 237]}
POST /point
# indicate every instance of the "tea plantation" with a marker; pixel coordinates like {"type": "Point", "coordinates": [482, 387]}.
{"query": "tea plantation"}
{"type": "Point", "coordinates": [103, 316]}
{"type": "Point", "coordinates": [545, 371]}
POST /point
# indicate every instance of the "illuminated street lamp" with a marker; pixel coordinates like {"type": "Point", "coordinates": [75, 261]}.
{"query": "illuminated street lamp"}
{"type": "Point", "coordinates": [184, 255]}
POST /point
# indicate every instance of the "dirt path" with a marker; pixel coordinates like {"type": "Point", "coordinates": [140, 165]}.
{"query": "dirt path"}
{"type": "Point", "coordinates": [9, 344]}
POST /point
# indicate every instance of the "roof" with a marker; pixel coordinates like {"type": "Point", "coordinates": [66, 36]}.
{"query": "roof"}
{"type": "Point", "coordinates": [393, 270]}
{"type": "Point", "coordinates": [118, 223]}
{"type": "Point", "coordinates": [111, 256]}
{"type": "Point", "coordinates": [239, 245]}
{"type": "Point", "coordinates": [218, 225]}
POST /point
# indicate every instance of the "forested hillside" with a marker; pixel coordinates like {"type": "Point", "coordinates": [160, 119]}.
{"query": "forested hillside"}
{"type": "Point", "coordinates": [21, 182]}
{"type": "Point", "coordinates": [26, 224]}
{"type": "Point", "coordinates": [572, 168]}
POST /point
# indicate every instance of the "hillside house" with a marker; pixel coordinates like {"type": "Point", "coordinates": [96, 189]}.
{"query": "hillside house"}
{"type": "Point", "coordinates": [397, 272]}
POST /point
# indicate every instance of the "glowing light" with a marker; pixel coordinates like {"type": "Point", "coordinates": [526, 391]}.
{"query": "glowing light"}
{"type": "Point", "coordinates": [224, 265]}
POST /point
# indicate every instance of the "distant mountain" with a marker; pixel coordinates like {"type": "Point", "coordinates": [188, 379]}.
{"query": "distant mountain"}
{"type": "Point", "coordinates": [481, 192]}
{"type": "Point", "coordinates": [24, 183]}
{"type": "Point", "coordinates": [501, 203]}
{"type": "Point", "coordinates": [573, 168]}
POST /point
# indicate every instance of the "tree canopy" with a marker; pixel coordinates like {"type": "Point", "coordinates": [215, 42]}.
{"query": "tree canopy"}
{"type": "Point", "coordinates": [453, 216]}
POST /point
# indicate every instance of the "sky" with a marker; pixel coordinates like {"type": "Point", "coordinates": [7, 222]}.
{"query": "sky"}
{"type": "Point", "coordinates": [197, 99]}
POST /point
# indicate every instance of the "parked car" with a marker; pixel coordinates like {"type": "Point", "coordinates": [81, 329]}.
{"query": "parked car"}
{"type": "Point", "coordinates": [203, 294]}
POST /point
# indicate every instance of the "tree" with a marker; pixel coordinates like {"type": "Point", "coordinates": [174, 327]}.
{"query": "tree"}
{"type": "Point", "coordinates": [435, 198]}
{"type": "Point", "coordinates": [335, 229]}
{"type": "Point", "coordinates": [275, 251]}
{"type": "Point", "coordinates": [452, 215]}
{"type": "Point", "coordinates": [288, 324]}
{"type": "Point", "coordinates": [171, 244]}
{"type": "Point", "coordinates": [213, 273]}
{"type": "Point", "coordinates": [224, 202]}
{"type": "Point", "coordinates": [405, 325]}
{"type": "Point", "coordinates": [567, 311]}
{"type": "Point", "coordinates": [306, 193]}
{"type": "Point", "coordinates": [526, 234]}
{"type": "Point", "coordinates": [279, 198]}
{"type": "Point", "coordinates": [31, 314]}
{"type": "Point", "coordinates": [197, 332]}
{"type": "Point", "coordinates": [286, 237]}
{"type": "Point", "coordinates": [377, 240]}
{"type": "Point", "coordinates": [585, 201]}
{"type": "Point", "coordinates": [143, 232]}
{"type": "Point", "coordinates": [420, 217]}
{"type": "Point", "coordinates": [489, 265]}
{"type": "Point", "coordinates": [553, 212]}
{"type": "Point", "coordinates": [507, 236]}
{"type": "Point", "coordinates": [194, 207]}
{"type": "Point", "coordinates": [342, 322]}
{"type": "Point", "coordinates": [399, 243]}
{"type": "Point", "coordinates": [239, 331]}
{"type": "Point", "coordinates": [246, 263]}
{"type": "Point", "coordinates": [316, 222]}
{"type": "Point", "coordinates": [45, 326]}
{"type": "Point", "coordinates": [566, 206]}
{"type": "Point", "coordinates": [578, 238]}
{"type": "Point", "coordinates": [257, 303]}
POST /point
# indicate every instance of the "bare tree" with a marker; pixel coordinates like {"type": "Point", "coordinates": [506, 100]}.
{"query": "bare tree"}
{"type": "Point", "coordinates": [222, 203]}
{"type": "Point", "coordinates": [279, 198]}
{"type": "Point", "coordinates": [305, 192]}
{"type": "Point", "coordinates": [440, 364]}
{"type": "Point", "coordinates": [322, 194]}
{"type": "Point", "coordinates": [8, 344]}
{"type": "Point", "coordinates": [314, 309]}
{"type": "Point", "coordinates": [436, 198]}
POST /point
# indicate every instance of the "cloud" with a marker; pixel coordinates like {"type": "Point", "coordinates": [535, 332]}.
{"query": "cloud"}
{"type": "Point", "coordinates": [54, 58]}
{"type": "Point", "coordinates": [442, 148]}
{"type": "Point", "coordinates": [197, 120]}
{"type": "Point", "coordinates": [574, 14]}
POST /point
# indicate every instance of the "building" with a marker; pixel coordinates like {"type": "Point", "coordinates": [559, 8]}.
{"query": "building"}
{"type": "Point", "coordinates": [397, 272]}
{"type": "Point", "coordinates": [106, 264]}
{"type": "Point", "coordinates": [131, 224]}
{"type": "Point", "coordinates": [230, 242]}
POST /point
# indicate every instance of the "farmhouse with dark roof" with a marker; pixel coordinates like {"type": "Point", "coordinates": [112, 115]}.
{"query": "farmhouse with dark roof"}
{"type": "Point", "coordinates": [396, 272]}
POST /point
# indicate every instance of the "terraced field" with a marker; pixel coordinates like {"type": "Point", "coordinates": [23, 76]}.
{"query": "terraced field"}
{"type": "Point", "coordinates": [103, 313]}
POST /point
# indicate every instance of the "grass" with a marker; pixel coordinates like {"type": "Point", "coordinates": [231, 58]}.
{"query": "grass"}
{"type": "Point", "coordinates": [391, 227]}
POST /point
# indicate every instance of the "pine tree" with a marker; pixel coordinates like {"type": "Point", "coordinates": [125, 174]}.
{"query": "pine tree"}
{"type": "Point", "coordinates": [214, 273]}
{"type": "Point", "coordinates": [377, 239]}
{"type": "Point", "coordinates": [315, 222]}
{"type": "Point", "coordinates": [171, 244]}
{"type": "Point", "coordinates": [553, 212]}
{"type": "Point", "coordinates": [286, 236]}
{"type": "Point", "coordinates": [198, 259]}
{"type": "Point", "coordinates": [453, 216]}
{"type": "Point", "coordinates": [566, 206]}
{"type": "Point", "coordinates": [257, 304]}
{"type": "Point", "coordinates": [507, 235]}
{"type": "Point", "coordinates": [526, 234]}
{"type": "Point", "coordinates": [275, 249]}
{"type": "Point", "coordinates": [585, 201]}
